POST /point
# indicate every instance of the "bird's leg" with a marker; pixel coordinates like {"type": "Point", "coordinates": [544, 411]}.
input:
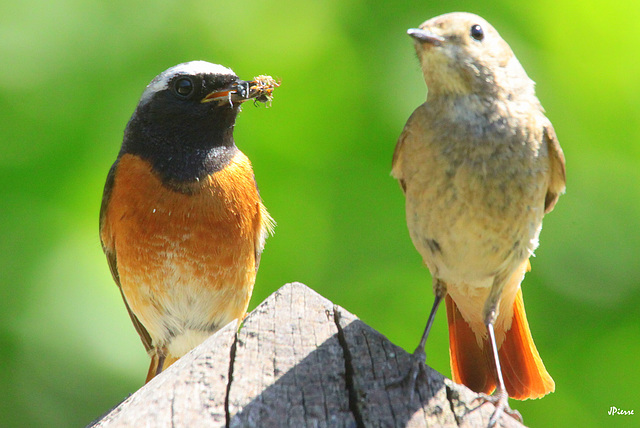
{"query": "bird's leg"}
{"type": "Point", "coordinates": [419, 355]}
{"type": "Point", "coordinates": [440, 291]}
{"type": "Point", "coordinates": [500, 398]}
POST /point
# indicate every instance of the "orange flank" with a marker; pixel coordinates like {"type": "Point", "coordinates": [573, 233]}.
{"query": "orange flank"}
{"type": "Point", "coordinates": [472, 364]}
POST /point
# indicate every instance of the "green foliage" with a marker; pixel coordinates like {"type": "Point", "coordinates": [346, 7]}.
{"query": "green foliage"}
{"type": "Point", "coordinates": [73, 72]}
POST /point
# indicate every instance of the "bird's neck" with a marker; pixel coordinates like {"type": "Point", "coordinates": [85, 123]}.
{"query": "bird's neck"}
{"type": "Point", "coordinates": [483, 104]}
{"type": "Point", "coordinates": [183, 155]}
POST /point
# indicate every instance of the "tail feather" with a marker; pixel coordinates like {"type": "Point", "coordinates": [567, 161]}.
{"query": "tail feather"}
{"type": "Point", "coordinates": [472, 365]}
{"type": "Point", "coordinates": [524, 373]}
{"type": "Point", "coordinates": [468, 361]}
{"type": "Point", "coordinates": [153, 367]}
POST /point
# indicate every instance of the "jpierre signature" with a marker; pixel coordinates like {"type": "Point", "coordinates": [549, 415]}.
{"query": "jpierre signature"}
{"type": "Point", "coordinates": [616, 411]}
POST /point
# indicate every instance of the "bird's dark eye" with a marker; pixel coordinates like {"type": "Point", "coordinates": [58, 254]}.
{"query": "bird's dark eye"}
{"type": "Point", "coordinates": [477, 33]}
{"type": "Point", "coordinates": [183, 87]}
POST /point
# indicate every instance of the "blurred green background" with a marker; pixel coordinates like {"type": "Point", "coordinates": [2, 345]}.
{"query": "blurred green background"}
{"type": "Point", "coordinates": [74, 71]}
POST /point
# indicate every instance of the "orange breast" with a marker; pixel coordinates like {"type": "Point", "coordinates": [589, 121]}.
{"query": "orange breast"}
{"type": "Point", "coordinates": [185, 261]}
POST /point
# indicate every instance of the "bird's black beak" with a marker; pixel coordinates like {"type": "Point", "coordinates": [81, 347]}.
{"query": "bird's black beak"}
{"type": "Point", "coordinates": [260, 89]}
{"type": "Point", "coordinates": [236, 92]}
{"type": "Point", "coordinates": [425, 36]}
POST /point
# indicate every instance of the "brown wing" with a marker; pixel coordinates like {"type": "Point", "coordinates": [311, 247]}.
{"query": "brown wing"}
{"type": "Point", "coordinates": [558, 175]}
{"type": "Point", "coordinates": [395, 164]}
{"type": "Point", "coordinates": [112, 259]}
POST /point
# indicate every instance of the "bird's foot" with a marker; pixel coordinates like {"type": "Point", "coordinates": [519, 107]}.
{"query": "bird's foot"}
{"type": "Point", "coordinates": [501, 401]}
{"type": "Point", "coordinates": [409, 380]}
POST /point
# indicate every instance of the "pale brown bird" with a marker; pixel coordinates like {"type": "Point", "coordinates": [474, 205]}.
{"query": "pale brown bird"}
{"type": "Point", "coordinates": [480, 165]}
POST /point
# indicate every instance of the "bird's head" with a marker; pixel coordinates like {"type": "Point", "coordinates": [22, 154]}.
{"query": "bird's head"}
{"type": "Point", "coordinates": [461, 53]}
{"type": "Point", "coordinates": [184, 121]}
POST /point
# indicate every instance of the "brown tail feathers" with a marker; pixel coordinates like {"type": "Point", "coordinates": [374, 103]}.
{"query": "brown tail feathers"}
{"type": "Point", "coordinates": [153, 367]}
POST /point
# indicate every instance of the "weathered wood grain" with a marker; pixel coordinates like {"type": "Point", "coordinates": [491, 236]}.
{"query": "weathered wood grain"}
{"type": "Point", "coordinates": [298, 361]}
{"type": "Point", "coordinates": [289, 367]}
{"type": "Point", "coordinates": [189, 393]}
{"type": "Point", "coordinates": [376, 365]}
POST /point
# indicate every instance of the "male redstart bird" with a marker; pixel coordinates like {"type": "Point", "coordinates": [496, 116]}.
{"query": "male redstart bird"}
{"type": "Point", "coordinates": [480, 165]}
{"type": "Point", "coordinates": [182, 223]}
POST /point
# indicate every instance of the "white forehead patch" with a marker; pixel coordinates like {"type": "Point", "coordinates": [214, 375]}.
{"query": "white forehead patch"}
{"type": "Point", "coordinates": [161, 81]}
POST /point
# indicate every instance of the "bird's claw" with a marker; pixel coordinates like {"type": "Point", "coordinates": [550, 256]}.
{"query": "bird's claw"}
{"type": "Point", "coordinates": [501, 402]}
{"type": "Point", "coordinates": [410, 380]}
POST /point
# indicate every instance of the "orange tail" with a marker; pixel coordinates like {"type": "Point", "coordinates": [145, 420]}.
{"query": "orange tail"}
{"type": "Point", "coordinates": [153, 367]}
{"type": "Point", "coordinates": [469, 364]}
{"type": "Point", "coordinates": [524, 373]}
{"type": "Point", "coordinates": [472, 365]}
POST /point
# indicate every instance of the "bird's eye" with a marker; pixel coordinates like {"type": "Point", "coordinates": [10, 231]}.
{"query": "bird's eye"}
{"type": "Point", "coordinates": [183, 87]}
{"type": "Point", "coordinates": [477, 33]}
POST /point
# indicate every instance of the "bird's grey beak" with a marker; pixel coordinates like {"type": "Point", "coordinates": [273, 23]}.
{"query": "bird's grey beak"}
{"type": "Point", "coordinates": [425, 36]}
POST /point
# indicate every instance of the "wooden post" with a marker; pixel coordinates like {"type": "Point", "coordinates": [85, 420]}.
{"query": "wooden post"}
{"type": "Point", "coordinates": [298, 361]}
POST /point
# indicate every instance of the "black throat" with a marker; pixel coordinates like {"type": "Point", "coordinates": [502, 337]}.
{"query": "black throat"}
{"type": "Point", "coordinates": [182, 149]}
